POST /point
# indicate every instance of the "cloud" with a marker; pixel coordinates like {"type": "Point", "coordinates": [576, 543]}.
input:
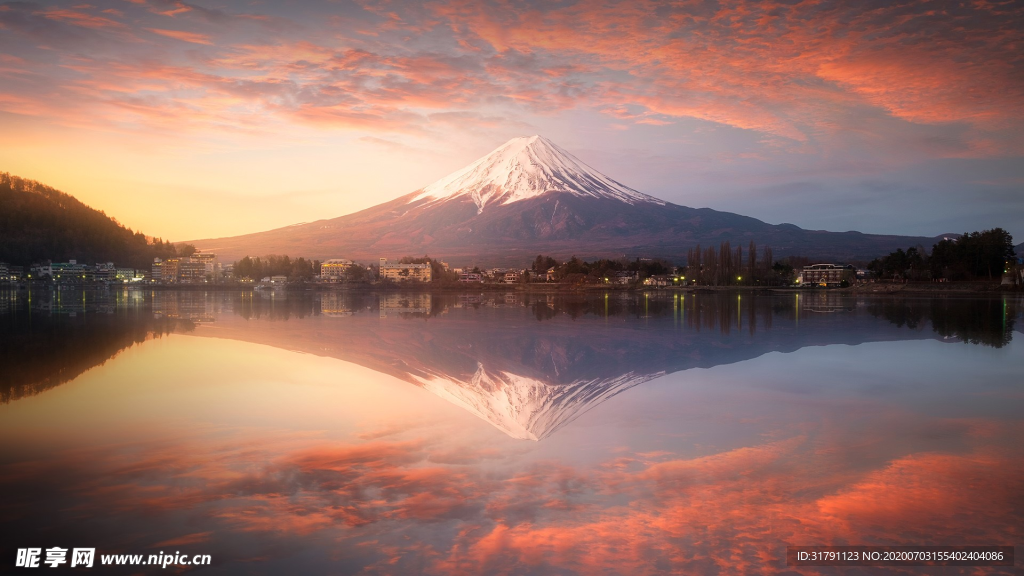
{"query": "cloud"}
{"type": "Point", "coordinates": [81, 18]}
{"type": "Point", "coordinates": [791, 71]}
{"type": "Point", "coordinates": [184, 36]}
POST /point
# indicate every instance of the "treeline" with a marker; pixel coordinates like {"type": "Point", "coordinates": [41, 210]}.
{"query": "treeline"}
{"type": "Point", "coordinates": [39, 223]}
{"type": "Point", "coordinates": [972, 256]}
{"type": "Point", "coordinates": [711, 266]}
{"type": "Point", "coordinates": [258, 268]}
{"type": "Point", "coordinates": [576, 270]}
{"type": "Point", "coordinates": [727, 266]}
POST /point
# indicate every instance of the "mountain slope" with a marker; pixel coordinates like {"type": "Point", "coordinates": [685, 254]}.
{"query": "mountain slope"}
{"type": "Point", "coordinates": [40, 223]}
{"type": "Point", "coordinates": [525, 168]}
{"type": "Point", "coordinates": [528, 197]}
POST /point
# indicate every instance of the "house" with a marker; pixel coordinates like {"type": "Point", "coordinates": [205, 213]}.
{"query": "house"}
{"type": "Point", "coordinates": [512, 276]}
{"type": "Point", "coordinates": [471, 277]}
{"type": "Point", "coordinates": [625, 277]}
{"type": "Point", "coordinates": [660, 280]}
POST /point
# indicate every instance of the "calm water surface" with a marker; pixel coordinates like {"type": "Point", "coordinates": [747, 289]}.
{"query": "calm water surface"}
{"type": "Point", "coordinates": [416, 433]}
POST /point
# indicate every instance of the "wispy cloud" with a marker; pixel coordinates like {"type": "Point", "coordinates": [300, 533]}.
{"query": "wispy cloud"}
{"type": "Point", "coordinates": [780, 85]}
{"type": "Point", "coordinates": [184, 36]}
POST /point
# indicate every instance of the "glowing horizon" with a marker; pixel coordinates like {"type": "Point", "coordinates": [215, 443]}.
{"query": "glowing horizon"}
{"type": "Point", "coordinates": [186, 121]}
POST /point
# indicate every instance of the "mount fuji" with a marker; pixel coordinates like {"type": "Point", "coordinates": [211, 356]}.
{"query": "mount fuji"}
{"type": "Point", "coordinates": [529, 197]}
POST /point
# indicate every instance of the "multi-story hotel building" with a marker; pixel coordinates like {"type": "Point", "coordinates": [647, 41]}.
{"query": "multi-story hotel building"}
{"type": "Point", "coordinates": [334, 269]}
{"type": "Point", "coordinates": [402, 272]}
{"type": "Point", "coordinates": [823, 274]}
{"type": "Point", "coordinates": [185, 270]}
{"type": "Point", "coordinates": [207, 259]}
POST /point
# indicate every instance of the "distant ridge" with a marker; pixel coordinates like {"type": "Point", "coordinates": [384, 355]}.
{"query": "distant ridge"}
{"type": "Point", "coordinates": [530, 197]}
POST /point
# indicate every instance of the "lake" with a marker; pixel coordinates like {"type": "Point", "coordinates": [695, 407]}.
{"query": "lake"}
{"type": "Point", "coordinates": [494, 433]}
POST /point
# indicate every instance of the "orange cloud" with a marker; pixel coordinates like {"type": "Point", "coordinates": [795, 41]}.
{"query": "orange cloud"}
{"type": "Point", "coordinates": [184, 36]}
{"type": "Point", "coordinates": [798, 74]}
{"type": "Point", "coordinates": [80, 18]}
{"type": "Point", "coordinates": [776, 68]}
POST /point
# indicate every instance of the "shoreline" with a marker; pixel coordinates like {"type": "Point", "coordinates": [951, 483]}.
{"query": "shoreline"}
{"type": "Point", "coordinates": [943, 288]}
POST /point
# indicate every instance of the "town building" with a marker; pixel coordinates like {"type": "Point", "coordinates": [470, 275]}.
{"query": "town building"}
{"type": "Point", "coordinates": [207, 259]}
{"type": "Point", "coordinates": [105, 272]}
{"type": "Point", "coordinates": [70, 271]}
{"type": "Point", "coordinates": [191, 271]}
{"type": "Point", "coordinates": [471, 277]}
{"type": "Point", "coordinates": [128, 275]}
{"type": "Point", "coordinates": [398, 272]}
{"type": "Point", "coordinates": [660, 280]}
{"type": "Point", "coordinates": [824, 274]}
{"type": "Point", "coordinates": [156, 274]}
{"type": "Point", "coordinates": [625, 277]}
{"type": "Point", "coordinates": [183, 270]}
{"type": "Point", "coordinates": [334, 269]}
{"type": "Point", "coordinates": [512, 276]}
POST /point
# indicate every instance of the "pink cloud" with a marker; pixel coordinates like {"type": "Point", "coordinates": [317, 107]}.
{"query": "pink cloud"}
{"type": "Point", "coordinates": [794, 72]}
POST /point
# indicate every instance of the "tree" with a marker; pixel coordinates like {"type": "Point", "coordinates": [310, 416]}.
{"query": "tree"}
{"type": "Point", "coordinates": [973, 255]}
{"type": "Point", "coordinates": [542, 263]}
{"type": "Point", "coordinates": [752, 262]}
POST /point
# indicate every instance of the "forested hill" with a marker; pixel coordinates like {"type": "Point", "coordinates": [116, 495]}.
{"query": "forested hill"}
{"type": "Point", "coordinates": [39, 223]}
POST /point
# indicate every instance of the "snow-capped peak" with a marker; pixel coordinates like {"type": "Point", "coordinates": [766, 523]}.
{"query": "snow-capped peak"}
{"type": "Point", "coordinates": [525, 168]}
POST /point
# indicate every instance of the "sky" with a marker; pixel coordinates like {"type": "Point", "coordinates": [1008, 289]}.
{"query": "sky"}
{"type": "Point", "coordinates": [199, 119]}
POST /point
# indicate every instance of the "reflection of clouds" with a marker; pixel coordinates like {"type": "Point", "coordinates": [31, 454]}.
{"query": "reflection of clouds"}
{"type": "Point", "coordinates": [430, 504]}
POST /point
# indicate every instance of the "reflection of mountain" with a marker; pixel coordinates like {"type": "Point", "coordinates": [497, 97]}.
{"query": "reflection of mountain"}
{"type": "Point", "coordinates": [524, 407]}
{"type": "Point", "coordinates": [527, 364]}
{"type": "Point", "coordinates": [530, 365]}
